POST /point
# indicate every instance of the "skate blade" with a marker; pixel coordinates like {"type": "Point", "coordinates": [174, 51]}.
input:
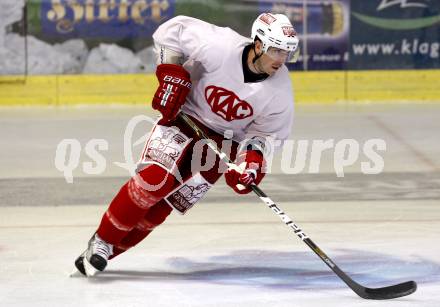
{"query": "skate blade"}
{"type": "Point", "coordinates": [90, 270]}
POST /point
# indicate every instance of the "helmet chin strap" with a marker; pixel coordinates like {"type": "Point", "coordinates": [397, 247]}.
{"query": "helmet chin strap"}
{"type": "Point", "coordinates": [257, 56]}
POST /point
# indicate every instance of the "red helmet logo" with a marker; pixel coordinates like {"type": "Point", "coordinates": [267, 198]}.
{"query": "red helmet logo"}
{"type": "Point", "coordinates": [289, 31]}
{"type": "Point", "coordinates": [226, 104]}
{"type": "Point", "coordinates": [267, 18]}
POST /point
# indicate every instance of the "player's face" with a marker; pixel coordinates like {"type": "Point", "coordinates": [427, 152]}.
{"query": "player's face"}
{"type": "Point", "coordinates": [269, 64]}
{"type": "Point", "coordinates": [271, 60]}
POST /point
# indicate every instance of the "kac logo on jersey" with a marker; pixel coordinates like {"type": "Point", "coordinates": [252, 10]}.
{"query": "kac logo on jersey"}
{"type": "Point", "coordinates": [226, 104]}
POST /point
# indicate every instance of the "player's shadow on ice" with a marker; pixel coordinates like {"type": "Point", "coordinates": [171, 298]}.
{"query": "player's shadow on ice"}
{"type": "Point", "coordinates": [285, 270]}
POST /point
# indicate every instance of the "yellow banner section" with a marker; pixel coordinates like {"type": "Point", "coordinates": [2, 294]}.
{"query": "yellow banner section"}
{"type": "Point", "coordinates": [352, 87]}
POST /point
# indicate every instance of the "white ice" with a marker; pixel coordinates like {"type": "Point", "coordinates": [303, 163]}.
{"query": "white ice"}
{"type": "Point", "coordinates": [222, 253]}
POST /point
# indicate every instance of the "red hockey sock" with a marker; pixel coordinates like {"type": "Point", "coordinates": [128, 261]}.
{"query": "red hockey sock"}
{"type": "Point", "coordinates": [132, 202]}
{"type": "Point", "coordinates": [155, 216]}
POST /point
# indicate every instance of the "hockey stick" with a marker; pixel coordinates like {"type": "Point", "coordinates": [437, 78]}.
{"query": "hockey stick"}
{"type": "Point", "coordinates": [383, 293]}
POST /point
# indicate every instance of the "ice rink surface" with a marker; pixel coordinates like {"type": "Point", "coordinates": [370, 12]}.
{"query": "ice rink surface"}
{"type": "Point", "coordinates": [228, 250]}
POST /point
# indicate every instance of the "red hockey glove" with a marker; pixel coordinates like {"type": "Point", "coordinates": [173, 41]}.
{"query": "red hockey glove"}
{"type": "Point", "coordinates": [251, 162]}
{"type": "Point", "coordinates": [174, 86]}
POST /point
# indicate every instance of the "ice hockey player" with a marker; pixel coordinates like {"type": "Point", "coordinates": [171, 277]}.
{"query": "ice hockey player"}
{"type": "Point", "coordinates": [227, 84]}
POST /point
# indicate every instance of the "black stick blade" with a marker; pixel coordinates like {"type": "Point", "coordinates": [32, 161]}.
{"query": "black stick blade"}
{"type": "Point", "coordinates": [390, 292]}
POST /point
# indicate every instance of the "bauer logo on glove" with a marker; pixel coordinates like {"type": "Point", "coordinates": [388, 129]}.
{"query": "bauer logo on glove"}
{"type": "Point", "coordinates": [179, 81]}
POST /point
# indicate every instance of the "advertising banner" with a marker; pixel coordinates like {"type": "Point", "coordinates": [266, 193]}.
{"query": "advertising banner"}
{"type": "Point", "coordinates": [323, 28]}
{"type": "Point", "coordinates": [395, 34]}
{"type": "Point", "coordinates": [334, 34]}
{"type": "Point", "coordinates": [130, 23]}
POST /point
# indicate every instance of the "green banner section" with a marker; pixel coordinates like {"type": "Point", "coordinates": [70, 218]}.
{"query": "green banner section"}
{"type": "Point", "coordinates": [390, 34]}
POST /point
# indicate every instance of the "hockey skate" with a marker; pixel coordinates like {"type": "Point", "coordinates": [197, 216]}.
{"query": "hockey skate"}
{"type": "Point", "coordinates": [95, 257]}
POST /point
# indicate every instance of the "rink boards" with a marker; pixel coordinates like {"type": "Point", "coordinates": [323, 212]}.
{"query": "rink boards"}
{"type": "Point", "coordinates": [381, 86]}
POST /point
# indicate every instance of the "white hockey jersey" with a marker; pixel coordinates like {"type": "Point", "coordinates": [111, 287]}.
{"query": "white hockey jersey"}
{"type": "Point", "coordinates": [220, 98]}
